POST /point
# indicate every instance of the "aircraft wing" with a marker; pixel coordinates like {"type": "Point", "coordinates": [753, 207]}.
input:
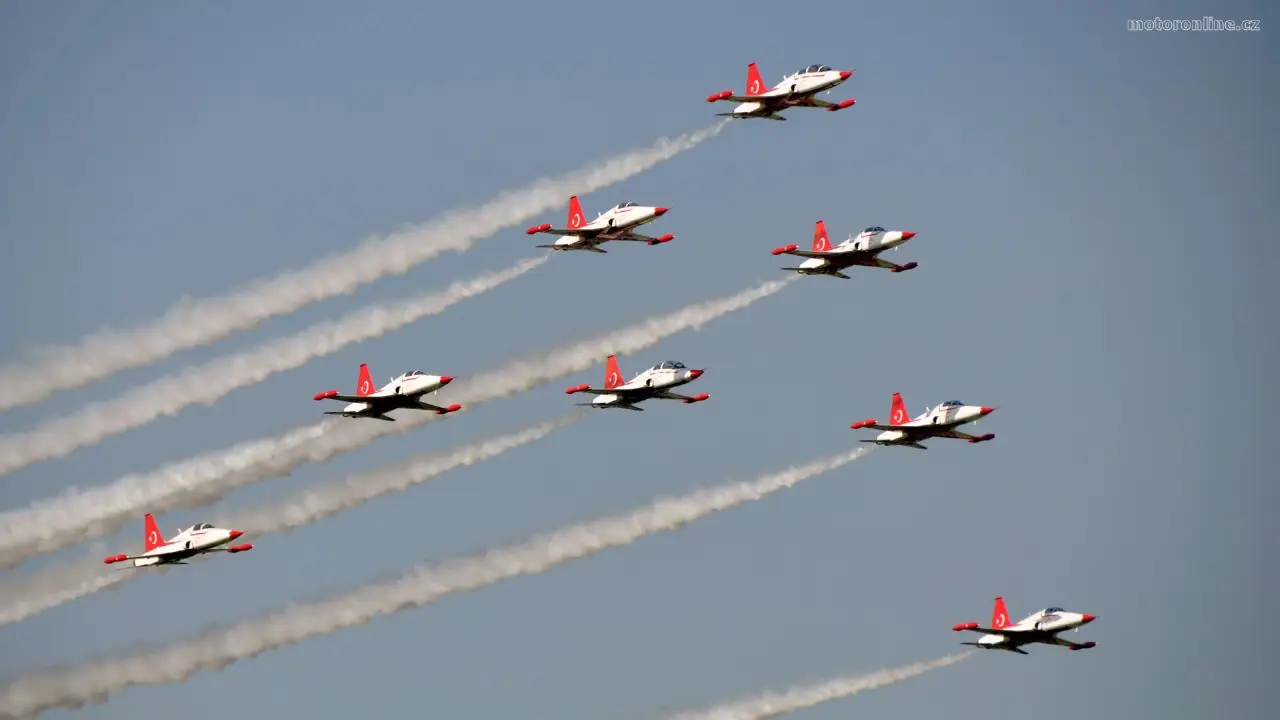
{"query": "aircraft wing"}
{"type": "Point", "coordinates": [429, 406]}
{"type": "Point", "coordinates": [813, 253]}
{"type": "Point", "coordinates": [773, 94]}
{"type": "Point", "coordinates": [668, 395]}
{"type": "Point", "coordinates": [921, 431]}
{"type": "Point", "coordinates": [351, 398]}
{"type": "Point", "coordinates": [1070, 645]}
{"type": "Point", "coordinates": [986, 630]}
{"type": "Point", "coordinates": [955, 434]}
{"type": "Point", "coordinates": [872, 261]}
{"type": "Point", "coordinates": [900, 428]}
{"type": "Point", "coordinates": [576, 232]}
{"type": "Point", "coordinates": [636, 237]}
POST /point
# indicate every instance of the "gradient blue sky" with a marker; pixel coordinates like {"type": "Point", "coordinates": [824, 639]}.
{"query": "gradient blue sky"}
{"type": "Point", "coordinates": [1095, 209]}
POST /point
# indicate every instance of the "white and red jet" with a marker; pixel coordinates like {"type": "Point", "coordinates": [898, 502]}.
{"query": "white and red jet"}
{"type": "Point", "coordinates": [795, 90]}
{"type": "Point", "coordinates": [940, 422]}
{"type": "Point", "coordinates": [402, 393]}
{"type": "Point", "coordinates": [198, 539]}
{"type": "Point", "coordinates": [656, 382]}
{"type": "Point", "coordinates": [1038, 627]}
{"type": "Point", "coordinates": [862, 250]}
{"type": "Point", "coordinates": [616, 223]}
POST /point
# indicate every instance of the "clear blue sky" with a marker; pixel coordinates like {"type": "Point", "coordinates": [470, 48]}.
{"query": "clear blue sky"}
{"type": "Point", "coordinates": [1096, 218]}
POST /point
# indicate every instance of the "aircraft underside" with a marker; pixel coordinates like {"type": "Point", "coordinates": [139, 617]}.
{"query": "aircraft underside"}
{"type": "Point", "coordinates": [827, 271]}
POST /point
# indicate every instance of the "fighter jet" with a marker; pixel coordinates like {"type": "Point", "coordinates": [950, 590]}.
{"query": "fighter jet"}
{"type": "Point", "coordinates": [863, 250]}
{"type": "Point", "coordinates": [198, 539]}
{"type": "Point", "coordinates": [1039, 627]}
{"type": "Point", "coordinates": [795, 90]}
{"type": "Point", "coordinates": [617, 223]}
{"type": "Point", "coordinates": [403, 392]}
{"type": "Point", "coordinates": [940, 421]}
{"type": "Point", "coordinates": [656, 382]}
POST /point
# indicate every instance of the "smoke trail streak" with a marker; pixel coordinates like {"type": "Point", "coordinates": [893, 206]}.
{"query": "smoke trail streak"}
{"type": "Point", "coordinates": [52, 524]}
{"type": "Point", "coordinates": [211, 381]}
{"type": "Point", "coordinates": [55, 586]}
{"type": "Point", "coordinates": [217, 648]}
{"type": "Point", "coordinates": [315, 504]}
{"type": "Point", "coordinates": [76, 515]}
{"type": "Point", "coordinates": [64, 583]}
{"type": "Point", "coordinates": [771, 705]}
{"type": "Point", "coordinates": [193, 323]}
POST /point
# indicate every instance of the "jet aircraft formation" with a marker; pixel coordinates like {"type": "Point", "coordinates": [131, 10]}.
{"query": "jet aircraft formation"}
{"type": "Point", "coordinates": [619, 223]}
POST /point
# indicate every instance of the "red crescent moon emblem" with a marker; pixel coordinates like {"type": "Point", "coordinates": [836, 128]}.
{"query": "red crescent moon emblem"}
{"type": "Point", "coordinates": [898, 415]}
{"type": "Point", "coordinates": [364, 386]}
{"type": "Point", "coordinates": [151, 537]}
{"type": "Point", "coordinates": [755, 86]}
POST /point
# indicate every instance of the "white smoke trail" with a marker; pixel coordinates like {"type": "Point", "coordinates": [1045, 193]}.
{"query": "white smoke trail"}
{"type": "Point", "coordinates": [217, 648]}
{"type": "Point", "coordinates": [208, 382]}
{"type": "Point", "coordinates": [771, 705]}
{"type": "Point", "coordinates": [193, 323]}
{"type": "Point", "coordinates": [64, 583]}
{"type": "Point", "coordinates": [64, 520]}
{"type": "Point", "coordinates": [20, 600]}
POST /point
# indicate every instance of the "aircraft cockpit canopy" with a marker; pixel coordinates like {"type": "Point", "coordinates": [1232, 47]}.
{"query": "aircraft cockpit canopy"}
{"type": "Point", "coordinates": [873, 230]}
{"type": "Point", "coordinates": [1053, 610]}
{"type": "Point", "coordinates": [815, 69]}
{"type": "Point", "coordinates": [952, 403]}
{"type": "Point", "coordinates": [625, 205]}
{"type": "Point", "coordinates": [414, 373]}
{"type": "Point", "coordinates": [202, 526]}
{"type": "Point", "coordinates": [671, 365]}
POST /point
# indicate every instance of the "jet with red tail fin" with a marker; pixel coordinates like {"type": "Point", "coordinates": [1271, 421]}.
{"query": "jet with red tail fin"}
{"type": "Point", "coordinates": [401, 393]}
{"type": "Point", "coordinates": [795, 90]}
{"type": "Point", "coordinates": [199, 539]}
{"type": "Point", "coordinates": [938, 422]}
{"type": "Point", "coordinates": [656, 382]}
{"type": "Point", "coordinates": [617, 223]}
{"type": "Point", "coordinates": [1041, 627]}
{"type": "Point", "coordinates": [862, 250]}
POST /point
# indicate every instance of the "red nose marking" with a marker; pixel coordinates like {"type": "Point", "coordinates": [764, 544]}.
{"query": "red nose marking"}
{"type": "Point", "coordinates": [235, 534]}
{"type": "Point", "coordinates": [908, 235]}
{"type": "Point", "coordinates": [696, 373]}
{"type": "Point", "coordinates": [660, 211]}
{"type": "Point", "coordinates": [844, 74]}
{"type": "Point", "coordinates": [1087, 618]}
{"type": "Point", "coordinates": [986, 410]}
{"type": "Point", "coordinates": [445, 379]}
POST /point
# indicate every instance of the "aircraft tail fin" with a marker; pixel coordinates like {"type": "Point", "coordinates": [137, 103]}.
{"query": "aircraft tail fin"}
{"type": "Point", "coordinates": [153, 538]}
{"type": "Point", "coordinates": [999, 615]}
{"type": "Point", "coordinates": [821, 242]}
{"type": "Point", "coordinates": [612, 375]}
{"type": "Point", "coordinates": [364, 385]}
{"type": "Point", "coordinates": [755, 83]}
{"type": "Point", "coordinates": [575, 219]}
{"type": "Point", "coordinates": [898, 414]}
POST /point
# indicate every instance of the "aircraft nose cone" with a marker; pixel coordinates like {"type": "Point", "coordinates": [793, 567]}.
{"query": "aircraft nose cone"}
{"type": "Point", "coordinates": [445, 379]}
{"type": "Point", "coordinates": [907, 235]}
{"type": "Point", "coordinates": [660, 211]}
{"type": "Point", "coordinates": [844, 74]}
{"type": "Point", "coordinates": [235, 534]}
{"type": "Point", "coordinates": [1087, 619]}
{"type": "Point", "coordinates": [695, 374]}
{"type": "Point", "coordinates": [986, 410]}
